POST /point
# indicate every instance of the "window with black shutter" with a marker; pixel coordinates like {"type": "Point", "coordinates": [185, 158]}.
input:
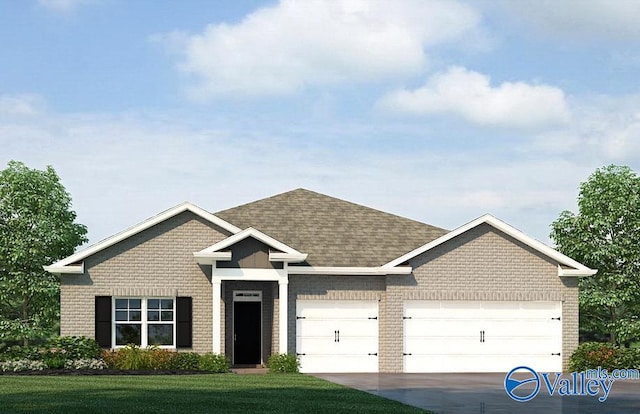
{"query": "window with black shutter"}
{"type": "Point", "coordinates": [103, 321]}
{"type": "Point", "coordinates": [184, 323]}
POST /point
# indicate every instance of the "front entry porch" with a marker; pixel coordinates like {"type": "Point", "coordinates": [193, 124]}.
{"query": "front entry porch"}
{"type": "Point", "coordinates": [249, 322]}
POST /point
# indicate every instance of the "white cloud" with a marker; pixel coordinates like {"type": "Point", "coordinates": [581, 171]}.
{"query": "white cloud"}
{"type": "Point", "coordinates": [605, 128]}
{"type": "Point", "coordinates": [122, 168]}
{"type": "Point", "coordinates": [471, 96]}
{"type": "Point", "coordinates": [295, 44]}
{"type": "Point", "coordinates": [63, 6]}
{"type": "Point", "coordinates": [20, 104]}
{"type": "Point", "coordinates": [589, 19]}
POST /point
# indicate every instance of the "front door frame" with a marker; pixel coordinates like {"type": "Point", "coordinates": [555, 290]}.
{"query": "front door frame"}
{"type": "Point", "coordinates": [246, 296]}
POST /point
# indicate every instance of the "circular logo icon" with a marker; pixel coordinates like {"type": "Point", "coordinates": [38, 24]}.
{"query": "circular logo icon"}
{"type": "Point", "coordinates": [517, 388]}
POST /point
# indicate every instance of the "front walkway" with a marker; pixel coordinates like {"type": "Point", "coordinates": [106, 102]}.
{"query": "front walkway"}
{"type": "Point", "coordinates": [482, 393]}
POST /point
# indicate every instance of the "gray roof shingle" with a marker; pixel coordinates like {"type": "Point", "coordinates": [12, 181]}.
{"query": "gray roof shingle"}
{"type": "Point", "coordinates": [333, 232]}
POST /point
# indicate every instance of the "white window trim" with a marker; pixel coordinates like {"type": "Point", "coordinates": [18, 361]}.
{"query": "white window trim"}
{"type": "Point", "coordinates": [144, 340]}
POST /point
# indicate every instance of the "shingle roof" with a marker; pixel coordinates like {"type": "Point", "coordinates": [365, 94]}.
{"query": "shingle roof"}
{"type": "Point", "coordinates": [333, 232]}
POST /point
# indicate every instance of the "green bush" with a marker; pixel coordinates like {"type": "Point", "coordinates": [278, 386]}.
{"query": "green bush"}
{"type": "Point", "coordinates": [77, 347]}
{"type": "Point", "coordinates": [283, 363]}
{"type": "Point", "coordinates": [161, 358]}
{"type": "Point", "coordinates": [18, 352]}
{"type": "Point", "coordinates": [54, 358]}
{"type": "Point", "coordinates": [132, 357]}
{"type": "Point", "coordinates": [214, 363]}
{"type": "Point", "coordinates": [186, 360]}
{"type": "Point", "coordinates": [111, 358]}
{"type": "Point", "coordinates": [629, 358]}
{"type": "Point", "coordinates": [591, 355]}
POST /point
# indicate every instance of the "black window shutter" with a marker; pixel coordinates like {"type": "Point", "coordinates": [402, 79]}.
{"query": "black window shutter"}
{"type": "Point", "coordinates": [184, 322]}
{"type": "Point", "coordinates": [103, 321]}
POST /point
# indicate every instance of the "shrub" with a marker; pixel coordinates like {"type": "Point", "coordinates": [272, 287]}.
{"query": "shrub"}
{"type": "Point", "coordinates": [132, 357]}
{"type": "Point", "coordinates": [283, 363]}
{"type": "Point", "coordinates": [111, 358]}
{"type": "Point", "coordinates": [21, 352]}
{"type": "Point", "coordinates": [22, 365]}
{"type": "Point", "coordinates": [591, 355]}
{"type": "Point", "coordinates": [214, 363]}
{"type": "Point", "coordinates": [186, 360]}
{"type": "Point", "coordinates": [161, 358]}
{"type": "Point", "coordinates": [77, 347]}
{"type": "Point", "coordinates": [54, 358]}
{"type": "Point", "coordinates": [629, 358]}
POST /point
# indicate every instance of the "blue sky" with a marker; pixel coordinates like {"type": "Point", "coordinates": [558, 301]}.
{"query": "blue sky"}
{"type": "Point", "coordinates": [439, 111]}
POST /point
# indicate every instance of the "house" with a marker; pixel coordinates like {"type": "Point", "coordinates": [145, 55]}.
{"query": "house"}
{"type": "Point", "coordinates": [345, 287]}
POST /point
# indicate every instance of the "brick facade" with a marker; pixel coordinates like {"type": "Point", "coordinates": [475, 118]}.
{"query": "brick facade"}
{"type": "Point", "coordinates": [482, 264]}
{"type": "Point", "coordinates": [155, 262]}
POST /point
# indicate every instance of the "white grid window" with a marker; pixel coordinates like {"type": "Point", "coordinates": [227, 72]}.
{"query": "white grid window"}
{"type": "Point", "coordinates": [145, 322]}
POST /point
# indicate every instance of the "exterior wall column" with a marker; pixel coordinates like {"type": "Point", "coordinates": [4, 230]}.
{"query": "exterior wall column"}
{"type": "Point", "coordinates": [283, 285]}
{"type": "Point", "coordinates": [216, 292]}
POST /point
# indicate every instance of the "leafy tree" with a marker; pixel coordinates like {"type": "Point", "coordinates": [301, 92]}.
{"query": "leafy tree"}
{"type": "Point", "coordinates": [605, 235]}
{"type": "Point", "coordinates": [36, 228]}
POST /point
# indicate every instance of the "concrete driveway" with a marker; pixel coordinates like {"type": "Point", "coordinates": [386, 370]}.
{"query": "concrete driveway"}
{"type": "Point", "coordinates": [483, 393]}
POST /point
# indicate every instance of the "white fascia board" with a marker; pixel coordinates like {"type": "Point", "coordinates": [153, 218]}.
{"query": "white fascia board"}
{"type": "Point", "coordinates": [349, 271]}
{"type": "Point", "coordinates": [69, 269]}
{"type": "Point", "coordinates": [209, 258]}
{"type": "Point", "coordinates": [256, 234]}
{"type": "Point", "coordinates": [505, 228]}
{"type": "Point", "coordinates": [576, 272]}
{"type": "Point", "coordinates": [249, 274]}
{"type": "Point", "coordinates": [287, 257]}
{"type": "Point", "coordinates": [143, 226]}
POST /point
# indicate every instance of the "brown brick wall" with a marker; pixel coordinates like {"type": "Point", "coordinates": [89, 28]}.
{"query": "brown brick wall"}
{"type": "Point", "coordinates": [156, 262]}
{"type": "Point", "coordinates": [329, 288]}
{"type": "Point", "coordinates": [484, 265]}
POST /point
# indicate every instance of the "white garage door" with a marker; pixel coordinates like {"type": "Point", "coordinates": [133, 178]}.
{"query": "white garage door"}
{"type": "Point", "coordinates": [337, 336]}
{"type": "Point", "coordinates": [458, 336]}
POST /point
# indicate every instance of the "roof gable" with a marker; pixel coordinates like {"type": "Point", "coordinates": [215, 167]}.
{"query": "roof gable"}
{"type": "Point", "coordinates": [216, 251]}
{"type": "Point", "coordinates": [577, 269]}
{"type": "Point", "coordinates": [67, 265]}
{"type": "Point", "coordinates": [333, 232]}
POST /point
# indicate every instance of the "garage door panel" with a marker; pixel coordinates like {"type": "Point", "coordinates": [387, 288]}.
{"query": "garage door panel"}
{"type": "Point", "coordinates": [316, 345]}
{"type": "Point", "coordinates": [521, 345]}
{"type": "Point", "coordinates": [312, 327]}
{"type": "Point", "coordinates": [441, 326]}
{"type": "Point", "coordinates": [330, 309]}
{"type": "Point", "coordinates": [331, 363]}
{"type": "Point", "coordinates": [357, 346]}
{"type": "Point", "coordinates": [440, 346]}
{"type": "Point", "coordinates": [472, 336]}
{"type": "Point", "coordinates": [327, 328]}
{"type": "Point", "coordinates": [337, 336]}
{"type": "Point", "coordinates": [479, 363]}
{"type": "Point", "coordinates": [445, 363]}
{"type": "Point", "coordinates": [422, 309]}
{"type": "Point", "coordinates": [363, 327]}
{"type": "Point", "coordinates": [533, 327]}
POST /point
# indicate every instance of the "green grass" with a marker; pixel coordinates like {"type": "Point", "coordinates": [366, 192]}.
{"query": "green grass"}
{"type": "Point", "coordinates": [228, 393]}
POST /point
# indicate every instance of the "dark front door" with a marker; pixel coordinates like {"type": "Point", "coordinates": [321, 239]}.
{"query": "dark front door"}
{"type": "Point", "coordinates": [246, 328]}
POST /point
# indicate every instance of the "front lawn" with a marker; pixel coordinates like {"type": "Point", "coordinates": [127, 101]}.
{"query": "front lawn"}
{"type": "Point", "coordinates": [228, 393]}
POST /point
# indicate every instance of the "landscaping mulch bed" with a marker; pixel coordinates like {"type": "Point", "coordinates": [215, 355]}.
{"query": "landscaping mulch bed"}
{"type": "Point", "coordinates": [107, 372]}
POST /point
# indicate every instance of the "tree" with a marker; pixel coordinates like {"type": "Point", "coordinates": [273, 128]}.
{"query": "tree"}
{"type": "Point", "coordinates": [605, 235]}
{"type": "Point", "coordinates": [36, 228]}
